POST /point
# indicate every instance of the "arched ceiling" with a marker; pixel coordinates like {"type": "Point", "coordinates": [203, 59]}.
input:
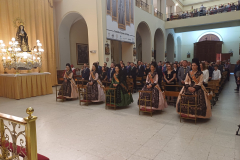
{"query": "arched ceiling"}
{"type": "Point", "coordinates": [170, 3]}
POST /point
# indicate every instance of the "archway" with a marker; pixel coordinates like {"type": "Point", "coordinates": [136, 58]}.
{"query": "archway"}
{"type": "Point", "coordinates": [170, 48]}
{"type": "Point", "coordinates": [159, 45]}
{"type": "Point", "coordinates": [138, 47]}
{"type": "Point", "coordinates": [179, 49]}
{"type": "Point", "coordinates": [209, 36]}
{"type": "Point", "coordinates": [145, 37]}
{"type": "Point", "coordinates": [72, 30]}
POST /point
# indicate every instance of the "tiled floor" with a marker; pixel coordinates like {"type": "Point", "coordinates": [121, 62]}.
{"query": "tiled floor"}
{"type": "Point", "coordinates": [68, 131]}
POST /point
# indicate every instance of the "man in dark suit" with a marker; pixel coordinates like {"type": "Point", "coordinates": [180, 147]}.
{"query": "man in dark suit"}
{"type": "Point", "coordinates": [124, 71]}
{"type": "Point", "coordinates": [182, 72]}
{"type": "Point", "coordinates": [160, 73]}
{"type": "Point", "coordinates": [220, 67]}
{"type": "Point", "coordinates": [121, 62]}
{"type": "Point", "coordinates": [132, 74]}
{"type": "Point", "coordinates": [105, 65]}
{"type": "Point", "coordinates": [99, 68]}
{"type": "Point", "coordinates": [140, 69]}
{"type": "Point", "coordinates": [165, 66]}
{"type": "Point", "coordinates": [236, 69]}
{"type": "Point", "coordinates": [128, 67]}
{"type": "Point", "coordinates": [111, 72]}
{"type": "Point", "coordinates": [86, 72]}
{"type": "Point", "coordinates": [210, 69]}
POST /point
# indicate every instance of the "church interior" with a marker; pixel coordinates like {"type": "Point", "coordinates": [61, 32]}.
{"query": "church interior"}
{"type": "Point", "coordinates": [119, 79]}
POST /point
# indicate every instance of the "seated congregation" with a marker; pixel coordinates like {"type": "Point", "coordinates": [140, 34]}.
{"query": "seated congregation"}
{"type": "Point", "coordinates": [192, 87]}
{"type": "Point", "coordinates": [205, 11]}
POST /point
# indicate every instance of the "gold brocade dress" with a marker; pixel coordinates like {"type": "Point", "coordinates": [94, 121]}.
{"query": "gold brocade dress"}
{"type": "Point", "coordinates": [203, 103]}
{"type": "Point", "coordinates": [68, 89]}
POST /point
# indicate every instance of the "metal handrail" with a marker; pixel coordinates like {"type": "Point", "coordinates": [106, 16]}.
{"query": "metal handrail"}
{"type": "Point", "coordinates": [143, 5]}
{"type": "Point", "coordinates": [10, 135]}
{"type": "Point", "coordinates": [158, 14]}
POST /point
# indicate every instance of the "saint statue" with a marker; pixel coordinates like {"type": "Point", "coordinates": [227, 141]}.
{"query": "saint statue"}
{"type": "Point", "coordinates": [22, 38]}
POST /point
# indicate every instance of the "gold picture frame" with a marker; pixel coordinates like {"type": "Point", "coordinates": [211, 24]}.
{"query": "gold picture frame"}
{"type": "Point", "coordinates": [82, 51]}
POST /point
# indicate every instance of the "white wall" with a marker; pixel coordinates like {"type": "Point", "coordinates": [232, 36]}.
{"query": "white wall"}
{"type": "Point", "coordinates": [78, 34]}
{"type": "Point", "coordinates": [91, 11]}
{"type": "Point", "coordinates": [153, 24]}
{"type": "Point", "coordinates": [175, 36]}
{"type": "Point", "coordinates": [127, 52]}
{"type": "Point", "coordinates": [159, 44]}
{"type": "Point", "coordinates": [230, 37]}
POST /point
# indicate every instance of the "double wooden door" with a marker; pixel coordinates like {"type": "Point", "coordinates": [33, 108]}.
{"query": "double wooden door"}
{"type": "Point", "coordinates": [207, 50]}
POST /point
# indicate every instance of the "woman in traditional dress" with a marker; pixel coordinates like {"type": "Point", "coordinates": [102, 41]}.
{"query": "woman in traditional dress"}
{"type": "Point", "coordinates": [158, 99]}
{"type": "Point", "coordinates": [194, 86]}
{"type": "Point", "coordinates": [95, 92]}
{"type": "Point", "coordinates": [122, 96]}
{"type": "Point", "coordinates": [69, 88]}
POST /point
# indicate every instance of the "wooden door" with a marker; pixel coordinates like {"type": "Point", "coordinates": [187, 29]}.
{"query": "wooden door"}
{"type": "Point", "coordinates": [207, 50]}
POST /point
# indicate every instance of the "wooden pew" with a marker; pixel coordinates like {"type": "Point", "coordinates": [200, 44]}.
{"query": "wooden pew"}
{"type": "Point", "coordinates": [172, 93]}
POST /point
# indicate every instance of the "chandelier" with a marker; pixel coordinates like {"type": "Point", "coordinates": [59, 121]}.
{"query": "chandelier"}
{"type": "Point", "coordinates": [14, 57]}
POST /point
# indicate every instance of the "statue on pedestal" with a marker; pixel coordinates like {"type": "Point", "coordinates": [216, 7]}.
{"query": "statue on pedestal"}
{"type": "Point", "coordinates": [22, 38]}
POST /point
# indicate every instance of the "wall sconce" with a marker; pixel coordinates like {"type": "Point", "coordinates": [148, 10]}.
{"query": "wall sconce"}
{"type": "Point", "coordinates": [134, 51]}
{"type": "Point", "coordinates": [107, 51]}
{"type": "Point", "coordinates": [188, 55]}
{"type": "Point", "coordinates": [93, 51]}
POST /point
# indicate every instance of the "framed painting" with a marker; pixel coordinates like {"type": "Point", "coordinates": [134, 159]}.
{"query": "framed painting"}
{"type": "Point", "coordinates": [82, 53]}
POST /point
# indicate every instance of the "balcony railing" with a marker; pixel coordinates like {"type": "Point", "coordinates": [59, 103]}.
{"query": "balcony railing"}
{"type": "Point", "coordinates": [143, 5]}
{"type": "Point", "coordinates": [158, 14]}
{"type": "Point", "coordinates": [18, 139]}
{"type": "Point", "coordinates": [205, 11]}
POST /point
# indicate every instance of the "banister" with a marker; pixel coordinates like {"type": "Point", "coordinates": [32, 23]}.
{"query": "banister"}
{"type": "Point", "coordinates": [12, 118]}
{"type": "Point", "coordinates": [9, 137]}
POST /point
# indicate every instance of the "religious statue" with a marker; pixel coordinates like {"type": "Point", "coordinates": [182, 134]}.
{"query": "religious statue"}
{"type": "Point", "coordinates": [22, 38]}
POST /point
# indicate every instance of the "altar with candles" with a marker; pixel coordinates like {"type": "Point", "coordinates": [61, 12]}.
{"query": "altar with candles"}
{"type": "Point", "coordinates": [18, 56]}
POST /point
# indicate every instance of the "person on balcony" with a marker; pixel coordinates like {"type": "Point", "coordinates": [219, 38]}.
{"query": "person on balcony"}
{"type": "Point", "coordinates": [122, 96]}
{"type": "Point", "coordinates": [233, 7]}
{"type": "Point", "coordinates": [194, 86]}
{"type": "Point", "coordinates": [183, 15]}
{"type": "Point", "coordinates": [158, 99]}
{"type": "Point", "coordinates": [201, 8]}
{"type": "Point", "coordinates": [69, 88]}
{"type": "Point", "coordinates": [95, 88]}
{"type": "Point", "coordinates": [238, 6]}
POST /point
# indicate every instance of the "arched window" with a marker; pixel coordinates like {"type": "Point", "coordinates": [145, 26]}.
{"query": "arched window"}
{"type": "Point", "coordinates": [209, 37]}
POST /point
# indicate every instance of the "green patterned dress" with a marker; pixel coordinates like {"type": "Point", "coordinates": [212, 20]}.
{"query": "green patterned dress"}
{"type": "Point", "coordinates": [123, 98]}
